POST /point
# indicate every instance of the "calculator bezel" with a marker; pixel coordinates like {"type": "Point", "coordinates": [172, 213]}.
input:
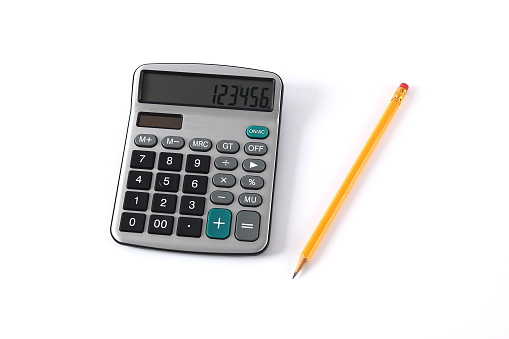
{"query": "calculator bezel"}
{"type": "Point", "coordinates": [191, 116]}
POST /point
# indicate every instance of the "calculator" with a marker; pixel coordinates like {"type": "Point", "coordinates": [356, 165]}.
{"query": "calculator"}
{"type": "Point", "coordinates": [199, 160]}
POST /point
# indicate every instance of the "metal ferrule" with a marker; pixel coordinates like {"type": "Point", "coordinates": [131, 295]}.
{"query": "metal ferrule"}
{"type": "Point", "coordinates": [399, 95]}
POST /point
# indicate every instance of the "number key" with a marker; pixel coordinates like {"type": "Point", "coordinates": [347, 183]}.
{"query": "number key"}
{"type": "Point", "coordinates": [143, 159]}
{"type": "Point", "coordinates": [198, 163]}
{"type": "Point", "coordinates": [136, 201]}
{"type": "Point", "coordinates": [164, 203]}
{"type": "Point", "coordinates": [160, 224]}
{"type": "Point", "coordinates": [167, 182]}
{"type": "Point", "coordinates": [139, 180]}
{"type": "Point", "coordinates": [132, 222]}
{"type": "Point", "coordinates": [192, 205]}
{"type": "Point", "coordinates": [170, 161]}
{"type": "Point", "coordinates": [195, 184]}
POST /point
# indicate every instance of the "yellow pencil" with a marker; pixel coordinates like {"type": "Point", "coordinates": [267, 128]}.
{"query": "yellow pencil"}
{"type": "Point", "coordinates": [350, 179]}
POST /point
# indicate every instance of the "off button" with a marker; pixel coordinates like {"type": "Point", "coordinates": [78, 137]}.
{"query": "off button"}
{"type": "Point", "coordinates": [257, 132]}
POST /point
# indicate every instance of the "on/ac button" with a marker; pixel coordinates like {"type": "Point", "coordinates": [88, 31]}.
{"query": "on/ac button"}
{"type": "Point", "coordinates": [257, 132]}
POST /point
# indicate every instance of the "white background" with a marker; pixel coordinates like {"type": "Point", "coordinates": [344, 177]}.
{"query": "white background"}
{"type": "Point", "coordinates": [419, 249]}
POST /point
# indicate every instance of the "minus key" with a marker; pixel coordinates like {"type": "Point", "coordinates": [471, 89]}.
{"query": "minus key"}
{"type": "Point", "coordinates": [221, 197]}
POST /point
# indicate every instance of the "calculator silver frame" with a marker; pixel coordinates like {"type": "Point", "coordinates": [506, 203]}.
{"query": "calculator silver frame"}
{"type": "Point", "coordinates": [238, 121]}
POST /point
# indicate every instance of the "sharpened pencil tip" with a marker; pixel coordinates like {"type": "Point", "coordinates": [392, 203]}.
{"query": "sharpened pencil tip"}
{"type": "Point", "coordinates": [294, 275]}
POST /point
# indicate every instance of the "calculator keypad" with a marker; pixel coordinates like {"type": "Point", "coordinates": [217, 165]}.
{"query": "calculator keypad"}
{"type": "Point", "coordinates": [176, 172]}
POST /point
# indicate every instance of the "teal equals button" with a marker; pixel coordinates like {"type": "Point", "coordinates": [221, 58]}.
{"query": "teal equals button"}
{"type": "Point", "coordinates": [257, 132]}
{"type": "Point", "coordinates": [219, 223]}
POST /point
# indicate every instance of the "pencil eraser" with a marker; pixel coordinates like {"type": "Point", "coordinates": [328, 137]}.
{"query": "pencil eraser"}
{"type": "Point", "coordinates": [405, 86]}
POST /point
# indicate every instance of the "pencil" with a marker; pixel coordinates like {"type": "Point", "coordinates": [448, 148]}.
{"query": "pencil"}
{"type": "Point", "coordinates": [350, 179]}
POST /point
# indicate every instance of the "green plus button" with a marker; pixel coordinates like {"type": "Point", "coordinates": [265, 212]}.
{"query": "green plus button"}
{"type": "Point", "coordinates": [257, 132]}
{"type": "Point", "coordinates": [218, 223]}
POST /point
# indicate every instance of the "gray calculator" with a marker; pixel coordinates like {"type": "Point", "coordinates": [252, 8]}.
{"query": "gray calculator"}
{"type": "Point", "coordinates": [199, 159]}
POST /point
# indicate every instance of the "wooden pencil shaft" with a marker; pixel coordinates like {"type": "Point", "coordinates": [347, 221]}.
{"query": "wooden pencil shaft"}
{"type": "Point", "coordinates": [352, 176]}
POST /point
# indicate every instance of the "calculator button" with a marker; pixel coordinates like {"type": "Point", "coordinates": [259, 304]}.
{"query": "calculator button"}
{"type": "Point", "coordinates": [255, 148]}
{"type": "Point", "coordinates": [145, 140]}
{"type": "Point", "coordinates": [257, 132]}
{"type": "Point", "coordinates": [160, 224]}
{"type": "Point", "coordinates": [195, 184]}
{"type": "Point", "coordinates": [164, 203]}
{"type": "Point", "coordinates": [139, 180]}
{"type": "Point", "coordinates": [200, 144]}
{"type": "Point", "coordinates": [228, 146]}
{"type": "Point", "coordinates": [225, 163]}
{"type": "Point", "coordinates": [253, 165]}
{"type": "Point", "coordinates": [171, 142]}
{"type": "Point", "coordinates": [192, 205]}
{"type": "Point", "coordinates": [250, 199]}
{"type": "Point", "coordinates": [132, 222]}
{"type": "Point", "coordinates": [136, 201]}
{"type": "Point", "coordinates": [170, 161]}
{"type": "Point", "coordinates": [221, 197]}
{"type": "Point", "coordinates": [247, 226]}
{"type": "Point", "coordinates": [198, 163]}
{"type": "Point", "coordinates": [143, 159]}
{"type": "Point", "coordinates": [218, 223]}
{"type": "Point", "coordinates": [167, 182]}
{"type": "Point", "coordinates": [223, 180]}
{"type": "Point", "coordinates": [251, 182]}
{"type": "Point", "coordinates": [189, 227]}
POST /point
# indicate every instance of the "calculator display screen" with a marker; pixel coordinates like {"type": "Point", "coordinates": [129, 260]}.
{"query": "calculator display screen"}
{"type": "Point", "coordinates": [206, 90]}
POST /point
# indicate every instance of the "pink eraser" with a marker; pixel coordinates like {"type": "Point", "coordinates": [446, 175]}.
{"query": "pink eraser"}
{"type": "Point", "coordinates": [405, 86]}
